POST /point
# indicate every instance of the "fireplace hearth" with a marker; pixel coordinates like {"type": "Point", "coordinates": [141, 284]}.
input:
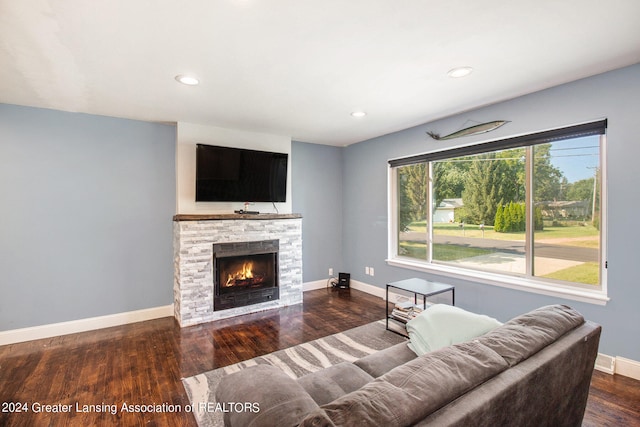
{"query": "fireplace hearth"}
{"type": "Point", "coordinates": [245, 273]}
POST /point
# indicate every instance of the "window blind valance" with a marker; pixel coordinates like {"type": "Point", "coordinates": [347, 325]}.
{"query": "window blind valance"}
{"type": "Point", "coordinates": [559, 134]}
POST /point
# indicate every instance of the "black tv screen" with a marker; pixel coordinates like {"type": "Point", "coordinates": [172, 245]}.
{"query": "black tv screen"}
{"type": "Point", "coordinates": [225, 174]}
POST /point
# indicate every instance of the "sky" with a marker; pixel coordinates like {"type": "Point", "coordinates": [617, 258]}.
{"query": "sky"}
{"type": "Point", "coordinates": [577, 158]}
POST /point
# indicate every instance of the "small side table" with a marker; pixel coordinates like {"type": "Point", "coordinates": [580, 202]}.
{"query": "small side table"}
{"type": "Point", "coordinates": [418, 287]}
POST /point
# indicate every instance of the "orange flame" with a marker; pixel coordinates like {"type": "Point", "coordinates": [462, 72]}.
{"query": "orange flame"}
{"type": "Point", "coordinates": [245, 273]}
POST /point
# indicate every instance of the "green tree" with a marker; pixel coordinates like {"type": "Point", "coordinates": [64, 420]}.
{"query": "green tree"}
{"type": "Point", "coordinates": [412, 182]}
{"type": "Point", "coordinates": [538, 223]}
{"type": "Point", "coordinates": [513, 173]}
{"type": "Point", "coordinates": [449, 179]}
{"type": "Point", "coordinates": [489, 180]}
{"type": "Point", "coordinates": [581, 190]}
{"type": "Point", "coordinates": [498, 223]}
{"type": "Point", "coordinates": [481, 188]}
{"type": "Point", "coordinates": [516, 220]}
{"type": "Point", "coordinates": [548, 180]}
{"type": "Point", "coordinates": [507, 219]}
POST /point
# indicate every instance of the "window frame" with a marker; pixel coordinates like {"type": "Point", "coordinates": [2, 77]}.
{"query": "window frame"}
{"type": "Point", "coordinates": [527, 282]}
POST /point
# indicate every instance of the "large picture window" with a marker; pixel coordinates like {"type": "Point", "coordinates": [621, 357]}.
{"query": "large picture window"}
{"type": "Point", "coordinates": [528, 208]}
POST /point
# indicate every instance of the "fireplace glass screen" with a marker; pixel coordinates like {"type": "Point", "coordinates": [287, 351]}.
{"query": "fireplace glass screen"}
{"type": "Point", "coordinates": [246, 272]}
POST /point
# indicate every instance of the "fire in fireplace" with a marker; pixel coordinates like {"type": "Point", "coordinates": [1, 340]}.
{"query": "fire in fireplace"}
{"type": "Point", "coordinates": [245, 273]}
{"type": "Point", "coordinates": [243, 276]}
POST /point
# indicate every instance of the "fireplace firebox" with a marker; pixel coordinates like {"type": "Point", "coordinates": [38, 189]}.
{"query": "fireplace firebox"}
{"type": "Point", "coordinates": [245, 273]}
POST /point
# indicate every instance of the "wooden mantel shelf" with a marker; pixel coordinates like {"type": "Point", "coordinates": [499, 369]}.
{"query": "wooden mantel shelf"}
{"type": "Point", "coordinates": [215, 217]}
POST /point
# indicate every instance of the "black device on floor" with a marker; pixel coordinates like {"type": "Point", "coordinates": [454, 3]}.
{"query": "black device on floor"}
{"type": "Point", "coordinates": [344, 280]}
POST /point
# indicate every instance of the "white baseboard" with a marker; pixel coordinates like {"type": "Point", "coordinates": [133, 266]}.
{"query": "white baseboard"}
{"type": "Point", "coordinates": [311, 286]}
{"type": "Point", "coordinates": [627, 367]}
{"type": "Point", "coordinates": [618, 365]}
{"type": "Point", "coordinates": [83, 325]}
{"type": "Point", "coordinates": [360, 286]}
{"type": "Point", "coordinates": [370, 289]}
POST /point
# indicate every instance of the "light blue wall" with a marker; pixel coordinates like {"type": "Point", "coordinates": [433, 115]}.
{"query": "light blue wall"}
{"type": "Point", "coordinates": [317, 194]}
{"type": "Point", "coordinates": [86, 216]}
{"type": "Point", "coordinates": [615, 96]}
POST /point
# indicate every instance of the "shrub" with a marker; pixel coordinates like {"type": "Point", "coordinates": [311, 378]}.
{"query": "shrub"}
{"type": "Point", "coordinates": [512, 218]}
{"type": "Point", "coordinates": [498, 223]}
{"type": "Point", "coordinates": [538, 222]}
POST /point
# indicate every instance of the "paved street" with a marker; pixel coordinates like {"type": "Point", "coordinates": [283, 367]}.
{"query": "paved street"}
{"type": "Point", "coordinates": [546, 250]}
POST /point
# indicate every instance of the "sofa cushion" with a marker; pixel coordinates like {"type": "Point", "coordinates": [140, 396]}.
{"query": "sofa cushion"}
{"type": "Point", "coordinates": [330, 383]}
{"type": "Point", "coordinates": [383, 361]}
{"type": "Point", "coordinates": [529, 333]}
{"type": "Point", "coordinates": [441, 325]}
{"type": "Point", "coordinates": [278, 396]}
{"type": "Point", "coordinates": [410, 392]}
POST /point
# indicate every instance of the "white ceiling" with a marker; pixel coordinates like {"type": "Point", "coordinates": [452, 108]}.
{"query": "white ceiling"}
{"type": "Point", "coordinates": [300, 67]}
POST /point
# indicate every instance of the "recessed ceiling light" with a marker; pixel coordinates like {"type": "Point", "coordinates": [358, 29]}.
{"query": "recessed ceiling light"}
{"type": "Point", "coordinates": [187, 79]}
{"type": "Point", "coordinates": [358, 114]}
{"type": "Point", "coordinates": [459, 72]}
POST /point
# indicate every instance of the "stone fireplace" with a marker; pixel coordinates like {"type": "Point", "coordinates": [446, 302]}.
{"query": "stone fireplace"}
{"type": "Point", "coordinates": [228, 265]}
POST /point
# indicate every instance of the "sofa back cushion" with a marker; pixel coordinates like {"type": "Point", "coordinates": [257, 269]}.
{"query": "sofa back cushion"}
{"type": "Point", "coordinates": [381, 362]}
{"type": "Point", "coordinates": [330, 383]}
{"type": "Point", "coordinates": [270, 397]}
{"type": "Point", "coordinates": [408, 393]}
{"type": "Point", "coordinates": [529, 333]}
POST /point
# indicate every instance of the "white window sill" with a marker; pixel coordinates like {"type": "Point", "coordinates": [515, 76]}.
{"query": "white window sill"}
{"type": "Point", "coordinates": [512, 282]}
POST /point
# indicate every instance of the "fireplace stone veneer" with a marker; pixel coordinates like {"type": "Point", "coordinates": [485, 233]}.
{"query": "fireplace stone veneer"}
{"type": "Point", "coordinates": [193, 240]}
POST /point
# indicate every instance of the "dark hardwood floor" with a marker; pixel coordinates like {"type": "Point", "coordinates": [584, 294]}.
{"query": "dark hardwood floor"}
{"type": "Point", "coordinates": [143, 363]}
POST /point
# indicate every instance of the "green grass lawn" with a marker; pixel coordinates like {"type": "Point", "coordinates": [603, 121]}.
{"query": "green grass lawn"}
{"type": "Point", "coordinates": [413, 249]}
{"type": "Point", "coordinates": [575, 233]}
{"type": "Point", "coordinates": [455, 252]}
{"type": "Point", "coordinates": [441, 252]}
{"type": "Point", "coordinates": [586, 273]}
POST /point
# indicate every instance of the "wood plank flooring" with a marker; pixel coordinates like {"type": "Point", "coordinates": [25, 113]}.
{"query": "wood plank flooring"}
{"type": "Point", "coordinates": [143, 363]}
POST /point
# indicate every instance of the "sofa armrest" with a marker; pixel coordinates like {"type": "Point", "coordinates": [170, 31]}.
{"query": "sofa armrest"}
{"type": "Point", "coordinates": [261, 396]}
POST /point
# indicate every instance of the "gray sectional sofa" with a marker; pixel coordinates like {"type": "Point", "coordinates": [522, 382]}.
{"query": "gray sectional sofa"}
{"type": "Point", "coordinates": [534, 370]}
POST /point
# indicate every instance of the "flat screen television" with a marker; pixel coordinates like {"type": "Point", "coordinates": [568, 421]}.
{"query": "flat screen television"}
{"type": "Point", "coordinates": [226, 174]}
